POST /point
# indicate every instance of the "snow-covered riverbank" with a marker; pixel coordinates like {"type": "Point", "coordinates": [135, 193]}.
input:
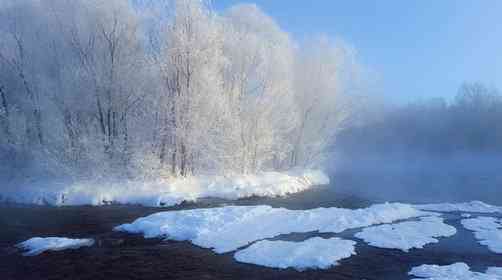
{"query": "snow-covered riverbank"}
{"type": "Point", "coordinates": [164, 192]}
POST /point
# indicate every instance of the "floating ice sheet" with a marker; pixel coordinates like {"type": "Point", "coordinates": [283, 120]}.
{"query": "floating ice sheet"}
{"type": "Point", "coordinates": [228, 228]}
{"type": "Point", "coordinates": [487, 230]}
{"type": "Point", "coordinates": [38, 245]}
{"type": "Point", "coordinates": [473, 206]}
{"type": "Point", "coordinates": [313, 253]}
{"type": "Point", "coordinates": [456, 271]}
{"type": "Point", "coordinates": [407, 235]}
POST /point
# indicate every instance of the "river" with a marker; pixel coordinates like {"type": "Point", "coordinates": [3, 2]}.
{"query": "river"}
{"type": "Point", "coordinates": [122, 256]}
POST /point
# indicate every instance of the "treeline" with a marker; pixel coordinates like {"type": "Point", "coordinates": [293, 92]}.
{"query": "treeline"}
{"type": "Point", "coordinates": [470, 124]}
{"type": "Point", "coordinates": [134, 87]}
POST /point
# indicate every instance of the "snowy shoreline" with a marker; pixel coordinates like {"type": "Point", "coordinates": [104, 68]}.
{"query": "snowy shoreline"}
{"type": "Point", "coordinates": [165, 192]}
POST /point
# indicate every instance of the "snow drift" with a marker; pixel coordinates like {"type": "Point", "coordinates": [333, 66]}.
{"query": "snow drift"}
{"type": "Point", "coordinates": [38, 245]}
{"type": "Point", "coordinates": [166, 192]}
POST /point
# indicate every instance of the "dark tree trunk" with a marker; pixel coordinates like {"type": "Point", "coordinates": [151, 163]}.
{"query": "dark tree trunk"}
{"type": "Point", "coordinates": [173, 160]}
{"type": "Point", "coordinates": [101, 117]}
{"type": "Point", "coordinates": [5, 117]}
{"type": "Point", "coordinates": [183, 165]}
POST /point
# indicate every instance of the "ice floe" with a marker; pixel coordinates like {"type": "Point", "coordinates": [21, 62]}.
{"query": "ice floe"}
{"type": "Point", "coordinates": [38, 245]}
{"type": "Point", "coordinates": [473, 206]}
{"type": "Point", "coordinates": [494, 271]}
{"type": "Point", "coordinates": [456, 271]}
{"type": "Point", "coordinates": [313, 253]}
{"type": "Point", "coordinates": [487, 230]}
{"type": "Point", "coordinates": [165, 192]}
{"type": "Point", "coordinates": [228, 228]}
{"type": "Point", "coordinates": [407, 235]}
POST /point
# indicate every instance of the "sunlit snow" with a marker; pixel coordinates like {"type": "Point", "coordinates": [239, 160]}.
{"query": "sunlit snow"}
{"type": "Point", "coordinates": [168, 192]}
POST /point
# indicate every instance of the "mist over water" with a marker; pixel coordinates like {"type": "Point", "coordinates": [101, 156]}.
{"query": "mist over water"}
{"type": "Point", "coordinates": [433, 150]}
{"type": "Point", "coordinates": [419, 179]}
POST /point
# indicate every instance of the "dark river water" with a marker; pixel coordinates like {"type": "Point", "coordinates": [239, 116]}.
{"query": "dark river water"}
{"type": "Point", "coordinates": [123, 256]}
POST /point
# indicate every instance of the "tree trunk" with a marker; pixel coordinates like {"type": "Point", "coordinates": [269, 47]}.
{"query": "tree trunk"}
{"type": "Point", "coordinates": [5, 117]}
{"type": "Point", "coordinates": [173, 159]}
{"type": "Point", "coordinates": [163, 148]}
{"type": "Point", "coordinates": [183, 164]}
{"type": "Point", "coordinates": [38, 123]}
{"type": "Point", "coordinates": [36, 114]}
{"type": "Point", "coordinates": [102, 124]}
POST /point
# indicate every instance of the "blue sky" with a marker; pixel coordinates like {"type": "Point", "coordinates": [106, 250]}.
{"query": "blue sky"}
{"type": "Point", "coordinates": [420, 49]}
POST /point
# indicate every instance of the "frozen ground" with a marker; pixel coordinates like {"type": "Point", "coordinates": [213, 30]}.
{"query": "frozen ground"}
{"type": "Point", "coordinates": [456, 271]}
{"type": "Point", "coordinates": [312, 253]}
{"type": "Point", "coordinates": [488, 230]}
{"type": "Point", "coordinates": [38, 245]}
{"type": "Point", "coordinates": [166, 192]}
{"type": "Point", "coordinates": [228, 228]}
{"type": "Point", "coordinates": [407, 235]}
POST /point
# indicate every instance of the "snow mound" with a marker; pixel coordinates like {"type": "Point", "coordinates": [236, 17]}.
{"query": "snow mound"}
{"type": "Point", "coordinates": [473, 206]}
{"type": "Point", "coordinates": [456, 271]}
{"type": "Point", "coordinates": [316, 253]}
{"type": "Point", "coordinates": [228, 228]}
{"type": "Point", "coordinates": [407, 235]}
{"type": "Point", "coordinates": [38, 245]}
{"type": "Point", "coordinates": [487, 230]}
{"type": "Point", "coordinates": [166, 192]}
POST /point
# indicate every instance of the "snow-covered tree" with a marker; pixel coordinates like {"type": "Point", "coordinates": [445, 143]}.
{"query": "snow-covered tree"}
{"type": "Point", "coordinates": [95, 87]}
{"type": "Point", "coordinates": [259, 80]}
{"type": "Point", "coordinates": [327, 78]}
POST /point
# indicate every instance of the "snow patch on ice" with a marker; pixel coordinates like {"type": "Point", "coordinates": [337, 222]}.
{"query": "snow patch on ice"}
{"type": "Point", "coordinates": [38, 245]}
{"type": "Point", "coordinates": [313, 253]}
{"type": "Point", "coordinates": [473, 206]}
{"type": "Point", "coordinates": [228, 228]}
{"type": "Point", "coordinates": [487, 230]}
{"type": "Point", "coordinates": [166, 192]}
{"type": "Point", "coordinates": [456, 271]}
{"type": "Point", "coordinates": [407, 235]}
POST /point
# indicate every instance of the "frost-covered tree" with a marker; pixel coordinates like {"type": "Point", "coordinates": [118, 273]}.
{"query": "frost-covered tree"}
{"type": "Point", "coordinates": [259, 79]}
{"type": "Point", "coordinates": [327, 78]}
{"type": "Point", "coordinates": [191, 61]}
{"type": "Point", "coordinates": [127, 88]}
